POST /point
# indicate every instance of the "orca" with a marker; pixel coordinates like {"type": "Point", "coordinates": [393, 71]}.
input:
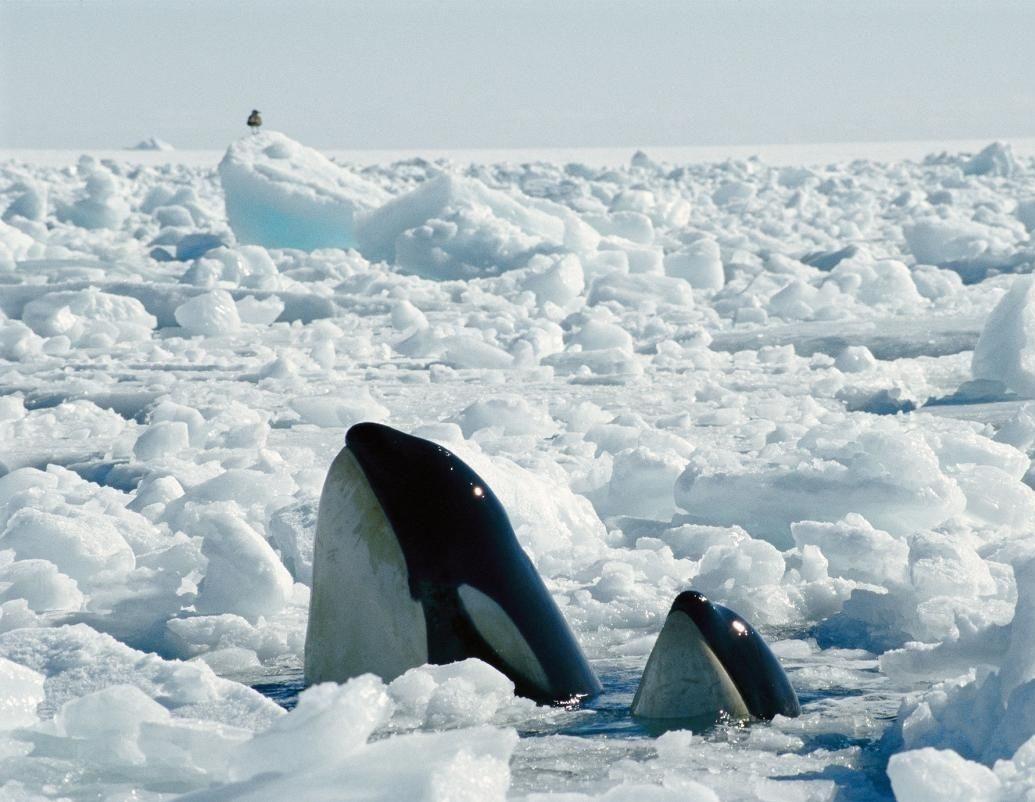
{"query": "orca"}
{"type": "Point", "coordinates": [415, 562]}
{"type": "Point", "coordinates": [710, 664]}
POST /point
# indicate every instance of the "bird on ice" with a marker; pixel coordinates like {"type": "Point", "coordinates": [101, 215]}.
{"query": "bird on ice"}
{"type": "Point", "coordinates": [254, 121]}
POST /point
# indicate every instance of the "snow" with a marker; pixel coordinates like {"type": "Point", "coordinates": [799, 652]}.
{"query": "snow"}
{"type": "Point", "coordinates": [101, 205]}
{"type": "Point", "coordinates": [457, 227]}
{"type": "Point", "coordinates": [153, 143]}
{"type": "Point", "coordinates": [927, 775]}
{"type": "Point", "coordinates": [700, 263]}
{"type": "Point", "coordinates": [89, 317]}
{"type": "Point", "coordinates": [244, 574]}
{"type": "Point", "coordinates": [281, 194]}
{"type": "Point", "coordinates": [209, 314]}
{"type": "Point", "coordinates": [995, 160]}
{"type": "Point", "coordinates": [967, 245]}
{"type": "Point", "coordinates": [800, 389]}
{"type": "Point", "coordinates": [1005, 352]}
{"type": "Point", "coordinates": [887, 472]}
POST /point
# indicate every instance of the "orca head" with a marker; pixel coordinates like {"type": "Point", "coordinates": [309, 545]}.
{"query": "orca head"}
{"type": "Point", "coordinates": [460, 584]}
{"type": "Point", "coordinates": [710, 663]}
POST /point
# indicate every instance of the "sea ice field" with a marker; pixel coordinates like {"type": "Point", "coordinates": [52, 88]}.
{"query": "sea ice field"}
{"type": "Point", "coordinates": [803, 390]}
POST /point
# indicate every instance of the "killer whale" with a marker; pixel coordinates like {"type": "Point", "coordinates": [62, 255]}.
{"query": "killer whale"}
{"type": "Point", "coordinates": [708, 662]}
{"type": "Point", "coordinates": [415, 562]}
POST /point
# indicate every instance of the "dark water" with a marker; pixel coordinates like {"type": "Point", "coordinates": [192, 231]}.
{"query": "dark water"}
{"type": "Point", "coordinates": [282, 688]}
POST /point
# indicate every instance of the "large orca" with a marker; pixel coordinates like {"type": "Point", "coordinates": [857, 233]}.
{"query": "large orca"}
{"type": "Point", "coordinates": [416, 562]}
{"type": "Point", "coordinates": [709, 663]}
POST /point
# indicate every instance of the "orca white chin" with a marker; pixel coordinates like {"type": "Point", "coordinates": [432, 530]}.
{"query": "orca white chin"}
{"type": "Point", "coordinates": [684, 679]}
{"type": "Point", "coordinates": [361, 615]}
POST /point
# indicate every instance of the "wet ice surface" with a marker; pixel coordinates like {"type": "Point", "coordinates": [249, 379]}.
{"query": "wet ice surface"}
{"type": "Point", "coordinates": [804, 391]}
{"type": "Point", "coordinates": [845, 709]}
{"type": "Point", "coordinates": [834, 747]}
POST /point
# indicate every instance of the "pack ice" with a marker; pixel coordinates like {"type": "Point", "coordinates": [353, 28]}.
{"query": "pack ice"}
{"type": "Point", "coordinates": [805, 391]}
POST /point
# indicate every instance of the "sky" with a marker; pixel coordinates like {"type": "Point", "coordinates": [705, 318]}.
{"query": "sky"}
{"type": "Point", "coordinates": [514, 73]}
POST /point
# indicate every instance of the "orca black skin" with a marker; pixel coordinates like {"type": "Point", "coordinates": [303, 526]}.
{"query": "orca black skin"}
{"type": "Point", "coordinates": [453, 532]}
{"type": "Point", "coordinates": [757, 674]}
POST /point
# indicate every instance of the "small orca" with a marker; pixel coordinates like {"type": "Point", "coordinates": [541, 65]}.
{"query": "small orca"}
{"type": "Point", "coordinates": [416, 562]}
{"type": "Point", "coordinates": [709, 663]}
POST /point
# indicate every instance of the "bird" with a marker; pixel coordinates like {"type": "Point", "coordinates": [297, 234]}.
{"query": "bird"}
{"type": "Point", "coordinates": [254, 121]}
